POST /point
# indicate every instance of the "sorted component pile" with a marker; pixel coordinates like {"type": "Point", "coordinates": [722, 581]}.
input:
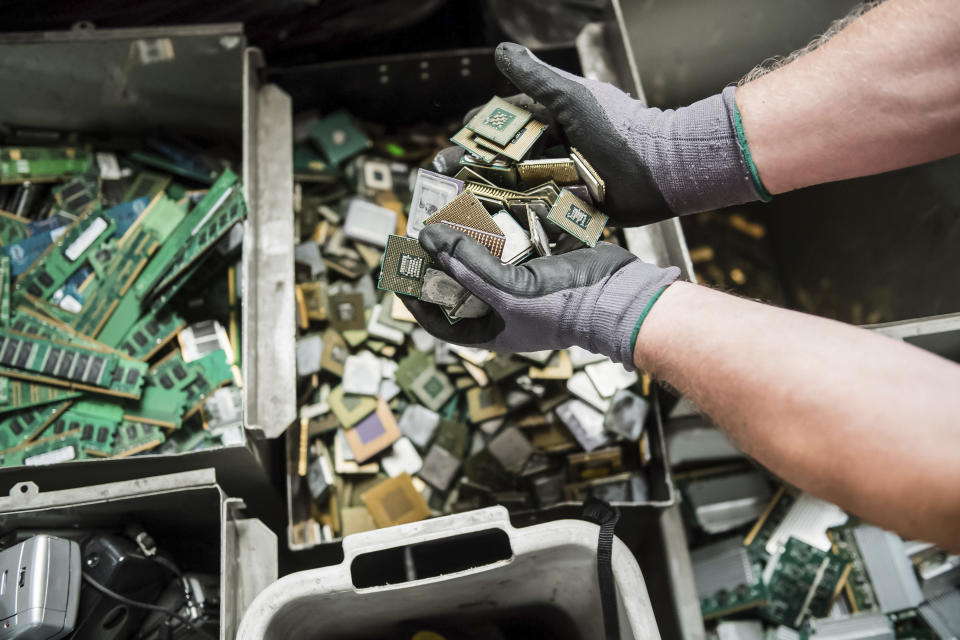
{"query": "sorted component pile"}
{"type": "Point", "coordinates": [396, 426]}
{"type": "Point", "coordinates": [783, 564]}
{"type": "Point", "coordinates": [102, 256]}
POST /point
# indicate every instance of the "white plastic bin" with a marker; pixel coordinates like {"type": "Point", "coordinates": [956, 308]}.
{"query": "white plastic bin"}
{"type": "Point", "coordinates": [549, 567]}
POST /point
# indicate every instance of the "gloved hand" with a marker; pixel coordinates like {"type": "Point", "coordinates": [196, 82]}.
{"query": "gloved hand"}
{"type": "Point", "coordinates": [656, 164]}
{"type": "Point", "coordinates": [593, 298]}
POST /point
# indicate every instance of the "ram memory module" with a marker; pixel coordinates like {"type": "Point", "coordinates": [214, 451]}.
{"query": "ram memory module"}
{"type": "Point", "coordinates": [64, 257]}
{"type": "Point", "coordinates": [41, 164]}
{"type": "Point", "coordinates": [24, 426]}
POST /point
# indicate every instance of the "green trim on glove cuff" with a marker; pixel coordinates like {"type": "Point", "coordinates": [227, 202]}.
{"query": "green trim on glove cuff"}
{"type": "Point", "coordinates": [643, 316]}
{"type": "Point", "coordinates": [745, 148]}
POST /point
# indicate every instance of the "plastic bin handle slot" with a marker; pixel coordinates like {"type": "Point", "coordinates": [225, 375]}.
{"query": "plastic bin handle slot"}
{"type": "Point", "coordinates": [431, 558]}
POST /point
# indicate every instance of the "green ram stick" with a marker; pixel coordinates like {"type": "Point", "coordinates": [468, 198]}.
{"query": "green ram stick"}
{"type": "Point", "coordinates": [150, 333]}
{"type": "Point", "coordinates": [215, 225]}
{"type": "Point", "coordinates": [63, 447]}
{"type": "Point", "coordinates": [158, 406]}
{"type": "Point", "coordinates": [41, 164]}
{"type": "Point", "coordinates": [172, 373]}
{"type": "Point", "coordinates": [24, 426]}
{"type": "Point", "coordinates": [13, 228]}
{"type": "Point", "coordinates": [147, 183]}
{"type": "Point", "coordinates": [136, 437]}
{"type": "Point", "coordinates": [78, 195]}
{"type": "Point", "coordinates": [134, 250]}
{"type": "Point", "coordinates": [63, 258]}
{"type": "Point", "coordinates": [804, 582]}
{"type": "Point", "coordinates": [96, 421]}
{"type": "Point", "coordinates": [24, 394]}
{"type": "Point", "coordinates": [212, 372]}
{"type": "Point", "coordinates": [54, 361]}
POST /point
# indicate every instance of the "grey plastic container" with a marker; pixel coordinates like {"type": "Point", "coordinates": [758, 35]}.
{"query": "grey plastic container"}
{"type": "Point", "coordinates": [550, 565]}
{"type": "Point", "coordinates": [107, 81]}
{"type": "Point", "coordinates": [189, 504]}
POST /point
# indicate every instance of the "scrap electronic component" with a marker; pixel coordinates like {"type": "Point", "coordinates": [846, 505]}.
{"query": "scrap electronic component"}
{"type": "Point", "coordinates": [350, 409]}
{"type": "Point", "coordinates": [440, 467]}
{"type": "Point", "coordinates": [465, 214]}
{"type": "Point", "coordinates": [439, 288]}
{"type": "Point", "coordinates": [41, 164]}
{"type": "Point", "coordinates": [802, 581]}
{"type": "Point", "coordinates": [361, 374]}
{"type": "Point", "coordinates": [150, 333]}
{"type": "Point", "coordinates": [67, 255]}
{"type": "Point", "coordinates": [499, 121]}
{"type": "Point", "coordinates": [595, 464]}
{"type": "Point", "coordinates": [726, 502]}
{"type": "Point", "coordinates": [577, 218]}
{"type": "Point", "coordinates": [402, 458]}
{"type": "Point", "coordinates": [465, 139]}
{"type": "Point", "coordinates": [868, 626]}
{"type": "Point", "coordinates": [891, 574]}
{"type": "Point", "coordinates": [26, 425]}
{"type": "Point", "coordinates": [370, 223]}
{"type": "Point", "coordinates": [136, 437]}
{"type": "Point", "coordinates": [203, 338]}
{"type": "Point", "coordinates": [626, 415]}
{"type": "Point", "coordinates": [595, 184]}
{"type": "Point", "coordinates": [404, 265]}
{"type": "Point", "coordinates": [345, 311]}
{"type": "Point", "coordinates": [536, 172]}
{"type": "Point", "coordinates": [584, 422]}
{"type": "Point", "coordinates": [520, 144]}
{"type": "Point", "coordinates": [419, 423]}
{"type": "Point", "coordinates": [432, 388]}
{"type": "Point", "coordinates": [485, 403]}
{"type": "Point", "coordinates": [395, 501]}
{"type": "Point", "coordinates": [727, 579]}
{"type": "Point", "coordinates": [517, 247]}
{"type": "Point", "coordinates": [431, 192]}
{"type": "Point", "coordinates": [338, 137]}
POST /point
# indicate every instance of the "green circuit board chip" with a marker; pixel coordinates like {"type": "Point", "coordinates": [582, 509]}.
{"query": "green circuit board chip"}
{"type": "Point", "coordinates": [577, 218]}
{"type": "Point", "coordinates": [132, 254]}
{"type": "Point", "coordinates": [23, 426]}
{"type": "Point", "coordinates": [96, 422]}
{"type": "Point", "coordinates": [150, 333]}
{"type": "Point", "coordinates": [499, 121]}
{"type": "Point", "coordinates": [58, 363]}
{"type": "Point", "coordinates": [62, 447]}
{"type": "Point", "coordinates": [41, 164]}
{"type": "Point", "coordinates": [24, 394]}
{"type": "Point", "coordinates": [338, 137]}
{"type": "Point", "coordinates": [63, 258]}
{"type": "Point", "coordinates": [804, 582]}
{"type": "Point", "coordinates": [134, 437]}
{"type": "Point", "coordinates": [403, 265]}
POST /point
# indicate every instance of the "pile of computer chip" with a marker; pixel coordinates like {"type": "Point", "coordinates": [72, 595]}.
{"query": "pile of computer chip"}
{"type": "Point", "coordinates": [396, 426]}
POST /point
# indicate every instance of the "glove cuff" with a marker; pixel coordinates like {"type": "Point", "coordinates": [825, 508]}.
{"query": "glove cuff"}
{"type": "Point", "coordinates": [701, 163]}
{"type": "Point", "coordinates": [622, 306]}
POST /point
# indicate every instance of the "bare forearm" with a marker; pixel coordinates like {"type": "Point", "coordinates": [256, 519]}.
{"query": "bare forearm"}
{"type": "Point", "coordinates": [882, 94]}
{"type": "Point", "coordinates": [861, 420]}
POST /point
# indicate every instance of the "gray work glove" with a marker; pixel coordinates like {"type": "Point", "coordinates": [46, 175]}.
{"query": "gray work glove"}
{"type": "Point", "coordinates": [593, 298]}
{"type": "Point", "coordinates": [656, 164]}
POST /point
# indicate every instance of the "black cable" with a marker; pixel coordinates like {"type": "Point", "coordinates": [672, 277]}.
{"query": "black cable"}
{"type": "Point", "coordinates": [143, 605]}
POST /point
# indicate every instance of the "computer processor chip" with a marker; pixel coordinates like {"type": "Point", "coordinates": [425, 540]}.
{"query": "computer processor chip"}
{"type": "Point", "coordinates": [403, 266]}
{"type": "Point", "coordinates": [595, 184]}
{"type": "Point", "coordinates": [499, 121]}
{"type": "Point", "coordinates": [536, 172]}
{"type": "Point", "coordinates": [577, 218]}
{"type": "Point", "coordinates": [466, 214]}
{"type": "Point", "coordinates": [520, 144]}
{"type": "Point", "coordinates": [465, 139]}
{"type": "Point", "coordinates": [395, 501]}
{"type": "Point", "coordinates": [373, 434]}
